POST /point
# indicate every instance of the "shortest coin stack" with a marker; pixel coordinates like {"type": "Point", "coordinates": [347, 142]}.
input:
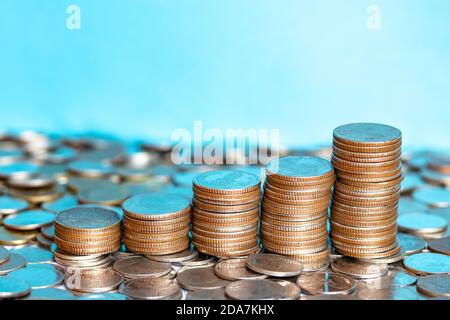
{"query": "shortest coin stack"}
{"type": "Point", "coordinates": [87, 230]}
{"type": "Point", "coordinates": [294, 214]}
{"type": "Point", "coordinates": [156, 223]}
{"type": "Point", "coordinates": [226, 213]}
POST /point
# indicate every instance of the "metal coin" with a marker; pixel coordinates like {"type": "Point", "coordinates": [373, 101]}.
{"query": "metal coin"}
{"type": "Point", "coordinates": [262, 289]}
{"type": "Point", "coordinates": [9, 205]}
{"type": "Point", "coordinates": [38, 181]}
{"type": "Point", "coordinates": [48, 231]}
{"type": "Point", "coordinates": [188, 254]}
{"type": "Point", "coordinates": [236, 269]}
{"type": "Point", "coordinates": [391, 293]}
{"type": "Point", "coordinates": [274, 265]}
{"type": "Point", "coordinates": [103, 296]}
{"type": "Point", "coordinates": [292, 291]}
{"type": "Point", "coordinates": [410, 243]}
{"type": "Point", "coordinates": [93, 280]}
{"type": "Point", "coordinates": [38, 276]}
{"type": "Point", "coordinates": [433, 197]}
{"type": "Point", "coordinates": [358, 269]}
{"type": "Point", "coordinates": [63, 203]}
{"type": "Point", "coordinates": [14, 262]}
{"type": "Point", "coordinates": [420, 223]}
{"type": "Point", "coordinates": [90, 169]}
{"type": "Point", "coordinates": [150, 206]}
{"type": "Point", "coordinates": [43, 241]}
{"type": "Point", "coordinates": [443, 213]}
{"type": "Point", "coordinates": [394, 278]}
{"type": "Point", "coordinates": [29, 220]}
{"type": "Point", "coordinates": [50, 294]}
{"type": "Point", "coordinates": [440, 245]}
{"type": "Point", "coordinates": [139, 267]}
{"type": "Point", "coordinates": [108, 195]}
{"type": "Point", "coordinates": [326, 283]}
{"type": "Point", "coordinates": [4, 254]}
{"type": "Point", "coordinates": [227, 181]}
{"type": "Point", "coordinates": [13, 288]}
{"type": "Point", "coordinates": [388, 259]}
{"type": "Point", "coordinates": [427, 263]}
{"type": "Point", "coordinates": [207, 294]}
{"type": "Point", "coordinates": [435, 285]}
{"type": "Point", "coordinates": [83, 217]}
{"type": "Point", "coordinates": [367, 134]}
{"type": "Point", "coordinates": [299, 167]}
{"type": "Point", "coordinates": [150, 288]}
{"type": "Point", "coordinates": [18, 170]}
{"type": "Point", "coordinates": [34, 254]}
{"type": "Point", "coordinates": [200, 278]}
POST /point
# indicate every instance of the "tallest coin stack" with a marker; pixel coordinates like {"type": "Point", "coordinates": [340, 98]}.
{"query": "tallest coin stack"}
{"type": "Point", "coordinates": [366, 158]}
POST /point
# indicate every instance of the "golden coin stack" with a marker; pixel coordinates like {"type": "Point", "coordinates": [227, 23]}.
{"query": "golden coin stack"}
{"type": "Point", "coordinates": [156, 223]}
{"type": "Point", "coordinates": [226, 213]}
{"type": "Point", "coordinates": [294, 214]}
{"type": "Point", "coordinates": [366, 158]}
{"type": "Point", "coordinates": [87, 230]}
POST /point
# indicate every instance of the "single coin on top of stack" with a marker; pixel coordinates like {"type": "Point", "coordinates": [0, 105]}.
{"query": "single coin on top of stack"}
{"type": "Point", "coordinates": [87, 230]}
{"type": "Point", "coordinates": [226, 213]}
{"type": "Point", "coordinates": [156, 223]}
{"type": "Point", "coordinates": [366, 158]}
{"type": "Point", "coordinates": [294, 214]}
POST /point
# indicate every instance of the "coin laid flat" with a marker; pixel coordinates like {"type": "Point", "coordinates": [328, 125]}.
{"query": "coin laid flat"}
{"type": "Point", "coordinates": [236, 269]}
{"type": "Point", "coordinates": [93, 280]}
{"type": "Point", "coordinates": [14, 262]}
{"type": "Point", "coordinates": [48, 231]}
{"type": "Point", "coordinates": [207, 294]}
{"type": "Point", "coordinates": [63, 203]}
{"type": "Point", "coordinates": [326, 283]}
{"type": "Point", "coordinates": [391, 293]}
{"type": "Point", "coordinates": [394, 278]}
{"type": "Point", "coordinates": [408, 205]}
{"type": "Point", "coordinates": [420, 223]}
{"type": "Point", "coordinates": [13, 288]}
{"type": "Point", "coordinates": [150, 288]}
{"type": "Point", "coordinates": [410, 243]}
{"type": "Point", "coordinates": [37, 276]}
{"type": "Point", "coordinates": [154, 205]}
{"type": "Point", "coordinates": [138, 267]}
{"type": "Point", "coordinates": [274, 265]}
{"type": "Point", "coordinates": [9, 205]}
{"type": "Point", "coordinates": [427, 263]}
{"type": "Point", "coordinates": [440, 245]}
{"type": "Point", "coordinates": [200, 278]}
{"type": "Point", "coordinates": [433, 197]}
{"type": "Point", "coordinates": [185, 255]}
{"type": "Point", "coordinates": [18, 170]}
{"type": "Point", "coordinates": [4, 254]}
{"type": "Point", "coordinates": [226, 180]}
{"type": "Point", "coordinates": [261, 289]}
{"type": "Point", "coordinates": [103, 296]}
{"type": "Point", "coordinates": [34, 254]}
{"type": "Point", "coordinates": [299, 167]}
{"type": "Point", "coordinates": [29, 220]}
{"type": "Point", "coordinates": [358, 269]}
{"type": "Point", "coordinates": [87, 218]}
{"type": "Point", "coordinates": [367, 133]}
{"type": "Point", "coordinates": [435, 285]}
{"type": "Point", "coordinates": [50, 294]}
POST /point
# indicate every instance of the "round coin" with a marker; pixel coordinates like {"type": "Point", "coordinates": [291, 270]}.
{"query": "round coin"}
{"type": "Point", "coordinates": [139, 267]}
{"type": "Point", "coordinates": [83, 217]}
{"type": "Point", "coordinates": [433, 197]}
{"type": "Point", "coordinates": [326, 283]}
{"type": "Point", "coordinates": [150, 288]}
{"type": "Point", "coordinates": [13, 288]}
{"type": "Point", "coordinates": [410, 243]}
{"type": "Point", "coordinates": [38, 276]}
{"type": "Point", "coordinates": [200, 278]}
{"type": "Point", "coordinates": [274, 265]}
{"type": "Point", "coordinates": [93, 280]}
{"type": "Point", "coordinates": [34, 254]}
{"type": "Point", "coordinates": [299, 167]}
{"type": "Point", "coordinates": [14, 262]}
{"type": "Point", "coordinates": [437, 285]}
{"type": "Point", "coordinates": [236, 269]}
{"type": "Point", "coordinates": [358, 269]}
{"type": "Point", "coordinates": [63, 203]}
{"type": "Point", "coordinates": [185, 255]}
{"type": "Point", "coordinates": [226, 181]}
{"type": "Point", "coordinates": [9, 205]}
{"type": "Point", "coordinates": [427, 263]}
{"type": "Point", "coordinates": [420, 223]}
{"type": "Point", "coordinates": [262, 289]}
{"type": "Point", "coordinates": [440, 245]}
{"type": "Point", "coordinates": [4, 254]}
{"type": "Point", "coordinates": [367, 134]}
{"type": "Point", "coordinates": [29, 220]}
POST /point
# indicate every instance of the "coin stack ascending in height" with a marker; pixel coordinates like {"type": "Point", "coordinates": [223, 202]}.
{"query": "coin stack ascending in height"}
{"type": "Point", "coordinates": [366, 158]}
{"type": "Point", "coordinates": [156, 223]}
{"type": "Point", "coordinates": [87, 230]}
{"type": "Point", "coordinates": [226, 213]}
{"type": "Point", "coordinates": [294, 214]}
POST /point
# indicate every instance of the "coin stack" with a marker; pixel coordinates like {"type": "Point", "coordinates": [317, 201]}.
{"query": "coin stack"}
{"type": "Point", "coordinates": [87, 230]}
{"type": "Point", "coordinates": [294, 214]}
{"type": "Point", "coordinates": [156, 223]}
{"type": "Point", "coordinates": [366, 158]}
{"type": "Point", "coordinates": [226, 213]}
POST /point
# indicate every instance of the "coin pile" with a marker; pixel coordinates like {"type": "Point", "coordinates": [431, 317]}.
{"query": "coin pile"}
{"type": "Point", "coordinates": [294, 214]}
{"type": "Point", "coordinates": [366, 158]}
{"type": "Point", "coordinates": [87, 230]}
{"type": "Point", "coordinates": [226, 213]}
{"type": "Point", "coordinates": [156, 223]}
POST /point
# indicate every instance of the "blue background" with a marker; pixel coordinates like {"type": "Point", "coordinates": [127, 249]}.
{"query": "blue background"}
{"type": "Point", "coordinates": [144, 68]}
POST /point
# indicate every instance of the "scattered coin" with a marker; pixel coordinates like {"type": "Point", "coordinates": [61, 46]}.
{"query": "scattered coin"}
{"type": "Point", "coordinates": [236, 269]}
{"type": "Point", "coordinates": [261, 289]}
{"type": "Point", "coordinates": [427, 263]}
{"type": "Point", "coordinates": [200, 278]}
{"type": "Point", "coordinates": [421, 223]}
{"type": "Point", "coordinates": [4, 254]}
{"type": "Point", "coordinates": [408, 205]}
{"type": "Point", "coordinates": [410, 243]}
{"type": "Point", "coordinates": [139, 267]}
{"type": "Point", "coordinates": [63, 203]}
{"type": "Point", "coordinates": [390, 293]}
{"type": "Point", "coordinates": [358, 269]}
{"type": "Point", "coordinates": [274, 265]}
{"type": "Point", "coordinates": [440, 245]}
{"type": "Point", "coordinates": [13, 288]}
{"type": "Point", "coordinates": [150, 288]}
{"type": "Point", "coordinates": [9, 205]}
{"type": "Point", "coordinates": [50, 294]}
{"type": "Point", "coordinates": [394, 278]}
{"type": "Point", "coordinates": [103, 296]}
{"type": "Point", "coordinates": [37, 276]}
{"type": "Point", "coordinates": [34, 254]}
{"type": "Point", "coordinates": [29, 220]}
{"type": "Point", "coordinates": [326, 283]}
{"type": "Point", "coordinates": [435, 285]}
{"type": "Point", "coordinates": [14, 262]}
{"type": "Point", "coordinates": [207, 294]}
{"type": "Point", "coordinates": [93, 280]}
{"type": "Point", "coordinates": [185, 255]}
{"type": "Point", "coordinates": [433, 197]}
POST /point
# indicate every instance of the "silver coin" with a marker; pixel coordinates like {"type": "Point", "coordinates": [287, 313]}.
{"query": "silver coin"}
{"type": "Point", "coordinates": [410, 243]}
{"type": "Point", "coordinates": [427, 263]}
{"type": "Point", "coordinates": [236, 269]}
{"type": "Point", "coordinates": [262, 289]}
{"type": "Point", "coordinates": [207, 294]}
{"type": "Point", "coordinates": [200, 278]}
{"type": "Point", "coordinates": [18, 170]}
{"type": "Point", "coordinates": [93, 280]}
{"type": "Point", "coordinates": [359, 269]}
{"type": "Point", "coordinates": [274, 265]}
{"type": "Point", "coordinates": [13, 288]}
{"type": "Point", "coordinates": [50, 294]}
{"type": "Point", "coordinates": [443, 213]}
{"type": "Point", "coordinates": [433, 197]}
{"type": "Point", "coordinates": [150, 288]}
{"type": "Point", "coordinates": [437, 285]}
{"type": "Point", "coordinates": [188, 254]}
{"type": "Point", "coordinates": [87, 217]}
{"type": "Point", "coordinates": [390, 293]}
{"type": "Point", "coordinates": [420, 223]}
{"type": "Point", "coordinates": [10, 205]}
{"type": "Point", "coordinates": [38, 276]}
{"type": "Point", "coordinates": [103, 296]}
{"type": "Point", "coordinates": [4, 254]}
{"type": "Point", "coordinates": [34, 254]}
{"type": "Point", "coordinates": [387, 260]}
{"type": "Point", "coordinates": [13, 263]}
{"type": "Point", "coordinates": [29, 220]}
{"type": "Point", "coordinates": [408, 205]}
{"type": "Point", "coordinates": [63, 203]}
{"type": "Point", "coordinates": [394, 278]}
{"type": "Point", "coordinates": [326, 283]}
{"type": "Point", "coordinates": [140, 267]}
